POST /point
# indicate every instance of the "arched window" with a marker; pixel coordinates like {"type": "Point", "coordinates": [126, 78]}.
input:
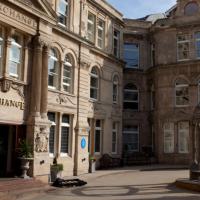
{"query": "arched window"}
{"type": "Point", "coordinates": [94, 83]}
{"type": "Point", "coordinates": [182, 92]}
{"type": "Point", "coordinates": [53, 69]}
{"type": "Point", "coordinates": [115, 89]}
{"type": "Point", "coordinates": [131, 97]}
{"type": "Point", "coordinates": [67, 73]}
{"type": "Point", "coordinates": [191, 8]}
{"type": "Point", "coordinates": [15, 57]}
{"type": "Point", "coordinates": [63, 12]}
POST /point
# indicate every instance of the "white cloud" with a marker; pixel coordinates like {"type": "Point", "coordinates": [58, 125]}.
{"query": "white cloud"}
{"type": "Point", "coordinates": [141, 8]}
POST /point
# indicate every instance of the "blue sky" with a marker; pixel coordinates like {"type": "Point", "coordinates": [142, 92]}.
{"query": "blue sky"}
{"type": "Point", "coordinates": [141, 8]}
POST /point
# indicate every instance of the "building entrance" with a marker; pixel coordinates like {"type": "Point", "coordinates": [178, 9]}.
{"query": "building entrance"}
{"type": "Point", "coordinates": [10, 136]}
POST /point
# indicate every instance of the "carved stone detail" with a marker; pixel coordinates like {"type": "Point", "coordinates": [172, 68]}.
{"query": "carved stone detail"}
{"type": "Point", "coordinates": [41, 139]}
{"type": "Point", "coordinates": [19, 89]}
{"type": "Point", "coordinates": [27, 2]}
{"type": "Point", "coordinates": [5, 85]}
{"type": "Point", "coordinates": [63, 99]}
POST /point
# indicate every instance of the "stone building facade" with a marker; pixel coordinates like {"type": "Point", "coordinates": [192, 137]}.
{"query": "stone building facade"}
{"type": "Point", "coordinates": [163, 78]}
{"type": "Point", "coordinates": [76, 79]}
{"type": "Point", "coordinates": [61, 75]}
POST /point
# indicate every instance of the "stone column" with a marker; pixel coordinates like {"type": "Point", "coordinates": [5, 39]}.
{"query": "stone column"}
{"type": "Point", "coordinates": [36, 77]}
{"type": "Point", "coordinates": [44, 84]}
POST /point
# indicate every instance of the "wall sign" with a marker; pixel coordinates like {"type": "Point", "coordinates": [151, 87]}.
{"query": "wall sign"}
{"type": "Point", "coordinates": [83, 143]}
{"type": "Point", "coordinates": [9, 12]}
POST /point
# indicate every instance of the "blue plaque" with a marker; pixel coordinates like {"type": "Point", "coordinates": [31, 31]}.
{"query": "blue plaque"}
{"type": "Point", "coordinates": [83, 143]}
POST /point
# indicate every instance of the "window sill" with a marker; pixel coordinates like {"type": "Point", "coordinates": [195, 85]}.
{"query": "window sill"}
{"type": "Point", "coordinates": [181, 106]}
{"type": "Point", "coordinates": [64, 155]}
{"type": "Point", "coordinates": [93, 100]}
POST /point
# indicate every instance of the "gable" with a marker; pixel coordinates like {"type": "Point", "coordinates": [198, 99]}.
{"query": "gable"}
{"type": "Point", "coordinates": [41, 8]}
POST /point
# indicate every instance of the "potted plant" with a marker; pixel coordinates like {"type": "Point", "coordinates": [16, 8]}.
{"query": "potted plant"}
{"type": "Point", "coordinates": [25, 155]}
{"type": "Point", "coordinates": [56, 170]}
{"type": "Point", "coordinates": [92, 164]}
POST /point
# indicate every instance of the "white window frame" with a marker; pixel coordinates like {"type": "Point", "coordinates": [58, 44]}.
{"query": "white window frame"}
{"type": "Point", "coordinates": [114, 130]}
{"type": "Point", "coordinates": [68, 126]}
{"type": "Point", "coordinates": [62, 14]}
{"type": "Point", "coordinates": [68, 64]}
{"type": "Point", "coordinates": [93, 24]}
{"type": "Point", "coordinates": [181, 132]}
{"type": "Point", "coordinates": [99, 28]}
{"type": "Point", "coordinates": [96, 76]}
{"type": "Point", "coordinates": [135, 133]}
{"type": "Point", "coordinates": [18, 63]}
{"type": "Point", "coordinates": [100, 130]}
{"type": "Point", "coordinates": [116, 84]}
{"type": "Point", "coordinates": [181, 86]}
{"type": "Point", "coordinates": [53, 123]}
{"type": "Point", "coordinates": [55, 59]}
{"type": "Point", "coordinates": [182, 42]}
{"type": "Point", "coordinates": [169, 134]}
{"type": "Point", "coordinates": [116, 38]}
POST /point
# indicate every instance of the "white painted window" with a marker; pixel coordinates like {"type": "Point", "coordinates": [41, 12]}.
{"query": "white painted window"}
{"type": "Point", "coordinates": [52, 133]}
{"type": "Point", "coordinates": [101, 34]}
{"type": "Point", "coordinates": [197, 38]}
{"type": "Point", "coordinates": [97, 136]}
{"type": "Point", "coordinates": [115, 89]}
{"type": "Point", "coordinates": [116, 43]}
{"type": "Point", "coordinates": [65, 131]}
{"type": "Point", "coordinates": [94, 83]}
{"type": "Point", "coordinates": [183, 47]}
{"type": "Point", "coordinates": [63, 12]}
{"type": "Point", "coordinates": [131, 97]}
{"type": "Point", "coordinates": [182, 92]}
{"type": "Point", "coordinates": [15, 57]}
{"type": "Point", "coordinates": [131, 55]}
{"type": "Point", "coordinates": [131, 138]}
{"type": "Point", "coordinates": [183, 137]}
{"type": "Point", "coordinates": [67, 74]}
{"type": "Point", "coordinates": [168, 137]}
{"type": "Point", "coordinates": [91, 27]}
{"type": "Point", "coordinates": [53, 69]}
{"type": "Point", "coordinates": [114, 137]}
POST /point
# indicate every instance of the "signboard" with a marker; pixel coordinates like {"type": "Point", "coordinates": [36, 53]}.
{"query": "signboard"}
{"type": "Point", "coordinates": [83, 143]}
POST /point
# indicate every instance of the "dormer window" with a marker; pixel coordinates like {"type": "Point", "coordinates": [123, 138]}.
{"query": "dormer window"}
{"type": "Point", "coordinates": [191, 8]}
{"type": "Point", "coordinates": [62, 12]}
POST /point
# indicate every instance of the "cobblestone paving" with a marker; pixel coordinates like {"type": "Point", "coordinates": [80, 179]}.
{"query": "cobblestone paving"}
{"type": "Point", "coordinates": [124, 185]}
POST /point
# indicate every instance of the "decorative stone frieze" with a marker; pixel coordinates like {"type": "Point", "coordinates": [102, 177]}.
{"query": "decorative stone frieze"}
{"type": "Point", "coordinates": [6, 85]}
{"type": "Point", "coordinates": [41, 139]}
{"type": "Point", "coordinates": [63, 99]}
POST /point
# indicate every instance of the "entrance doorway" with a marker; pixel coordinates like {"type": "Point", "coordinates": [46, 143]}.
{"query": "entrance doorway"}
{"type": "Point", "coordinates": [10, 135]}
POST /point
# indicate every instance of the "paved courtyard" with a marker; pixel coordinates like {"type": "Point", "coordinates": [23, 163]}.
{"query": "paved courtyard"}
{"type": "Point", "coordinates": [123, 184]}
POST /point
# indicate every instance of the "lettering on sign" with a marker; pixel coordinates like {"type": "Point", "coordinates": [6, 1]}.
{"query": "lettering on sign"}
{"type": "Point", "coordinates": [7, 11]}
{"type": "Point", "coordinates": [12, 103]}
